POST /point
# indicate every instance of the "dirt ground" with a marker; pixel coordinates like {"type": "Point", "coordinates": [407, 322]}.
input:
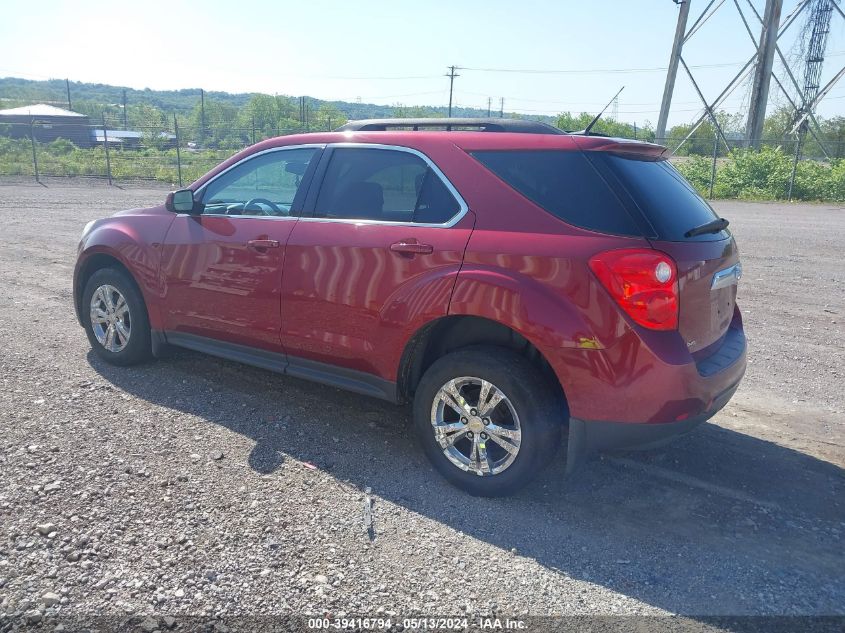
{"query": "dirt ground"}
{"type": "Point", "coordinates": [197, 486]}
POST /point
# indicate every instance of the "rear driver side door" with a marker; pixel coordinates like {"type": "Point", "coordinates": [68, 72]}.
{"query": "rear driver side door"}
{"type": "Point", "coordinates": [374, 256]}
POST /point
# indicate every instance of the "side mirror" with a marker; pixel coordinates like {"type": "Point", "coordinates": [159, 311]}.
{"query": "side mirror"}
{"type": "Point", "coordinates": [181, 201]}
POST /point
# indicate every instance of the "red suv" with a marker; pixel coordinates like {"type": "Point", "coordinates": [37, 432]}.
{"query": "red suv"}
{"type": "Point", "coordinates": [512, 281]}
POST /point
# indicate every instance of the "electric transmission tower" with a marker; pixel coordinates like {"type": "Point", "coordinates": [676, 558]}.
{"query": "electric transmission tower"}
{"type": "Point", "coordinates": [772, 28]}
{"type": "Point", "coordinates": [815, 36]}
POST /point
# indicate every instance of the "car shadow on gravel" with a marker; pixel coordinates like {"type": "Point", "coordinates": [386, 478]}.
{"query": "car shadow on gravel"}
{"type": "Point", "coordinates": [719, 522]}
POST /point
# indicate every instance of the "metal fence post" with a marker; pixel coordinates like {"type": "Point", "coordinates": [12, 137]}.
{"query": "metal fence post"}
{"type": "Point", "coordinates": [34, 156]}
{"type": "Point", "coordinates": [253, 129]}
{"type": "Point", "coordinates": [713, 168]}
{"type": "Point", "coordinates": [106, 145]}
{"type": "Point", "coordinates": [178, 154]}
{"type": "Point", "coordinates": [794, 166]}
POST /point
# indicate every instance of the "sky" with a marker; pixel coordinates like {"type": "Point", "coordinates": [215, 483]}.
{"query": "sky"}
{"type": "Point", "coordinates": [398, 52]}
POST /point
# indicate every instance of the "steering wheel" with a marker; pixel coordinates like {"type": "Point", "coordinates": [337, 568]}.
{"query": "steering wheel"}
{"type": "Point", "coordinates": [249, 203]}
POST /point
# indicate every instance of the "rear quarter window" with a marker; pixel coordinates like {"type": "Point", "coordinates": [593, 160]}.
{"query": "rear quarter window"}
{"type": "Point", "coordinates": [565, 184]}
{"type": "Point", "coordinates": [664, 197]}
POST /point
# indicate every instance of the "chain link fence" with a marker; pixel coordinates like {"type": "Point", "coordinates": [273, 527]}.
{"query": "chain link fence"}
{"type": "Point", "coordinates": [178, 153]}
{"type": "Point", "coordinates": [786, 169]}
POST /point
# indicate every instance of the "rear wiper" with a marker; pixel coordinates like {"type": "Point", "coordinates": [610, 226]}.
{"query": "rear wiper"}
{"type": "Point", "coordinates": [719, 224]}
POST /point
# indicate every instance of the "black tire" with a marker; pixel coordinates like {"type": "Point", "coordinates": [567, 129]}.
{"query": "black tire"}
{"type": "Point", "coordinates": [137, 348]}
{"type": "Point", "coordinates": [531, 397]}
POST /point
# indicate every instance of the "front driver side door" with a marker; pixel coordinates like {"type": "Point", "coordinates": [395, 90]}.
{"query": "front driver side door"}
{"type": "Point", "coordinates": [223, 267]}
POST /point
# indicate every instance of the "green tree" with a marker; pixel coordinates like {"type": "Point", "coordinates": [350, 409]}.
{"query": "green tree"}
{"type": "Point", "coordinates": [400, 111]}
{"type": "Point", "coordinates": [271, 116]}
{"type": "Point", "coordinates": [833, 130]}
{"type": "Point", "coordinates": [610, 127]}
{"type": "Point", "coordinates": [327, 118]}
{"type": "Point", "coordinates": [217, 128]}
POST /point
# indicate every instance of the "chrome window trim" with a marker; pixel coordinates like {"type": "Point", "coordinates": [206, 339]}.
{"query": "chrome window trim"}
{"type": "Point", "coordinates": [462, 211]}
{"type": "Point", "coordinates": [275, 218]}
{"type": "Point", "coordinates": [201, 190]}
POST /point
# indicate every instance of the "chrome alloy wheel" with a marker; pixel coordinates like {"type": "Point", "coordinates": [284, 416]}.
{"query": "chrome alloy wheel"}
{"type": "Point", "coordinates": [110, 318]}
{"type": "Point", "coordinates": [476, 425]}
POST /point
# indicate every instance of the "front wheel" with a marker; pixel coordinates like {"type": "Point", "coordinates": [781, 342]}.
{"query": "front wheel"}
{"type": "Point", "coordinates": [115, 318]}
{"type": "Point", "coordinates": [487, 420]}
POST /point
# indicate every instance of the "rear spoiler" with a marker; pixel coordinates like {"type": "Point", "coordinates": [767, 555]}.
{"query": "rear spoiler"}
{"type": "Point", "coordinates": [622, 146]}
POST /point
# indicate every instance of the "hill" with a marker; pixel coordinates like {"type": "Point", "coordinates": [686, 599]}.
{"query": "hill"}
{"type": "Point", "coordinates": [88, 97]}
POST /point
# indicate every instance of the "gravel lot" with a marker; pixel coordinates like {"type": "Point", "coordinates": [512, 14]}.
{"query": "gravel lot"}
{"type": "Point", "coordinates": [198, 486]}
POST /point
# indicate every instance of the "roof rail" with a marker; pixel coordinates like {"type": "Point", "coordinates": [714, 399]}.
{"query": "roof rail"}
{"type": "Point", "coordinates": [451, 125]}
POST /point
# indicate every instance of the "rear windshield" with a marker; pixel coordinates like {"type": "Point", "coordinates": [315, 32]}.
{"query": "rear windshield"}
{"type": "Point", "coordinates": [565, 184]}
{"type": "Point", "coordinates": [667, 200]}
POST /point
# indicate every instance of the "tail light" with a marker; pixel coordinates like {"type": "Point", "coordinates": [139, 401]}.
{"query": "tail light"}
{"type": "Point", "coordinates": [643, 282]}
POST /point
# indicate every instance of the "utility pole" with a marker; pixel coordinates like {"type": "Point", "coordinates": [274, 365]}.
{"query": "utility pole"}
{"type": "Point", "coordinates": [34, 155]}
{"type": "Point", "coordinates": [106, 146]}
{"type": "Point", "coordinates": [178, 155]}
{"type": "Point", "coordinates": [502, 108]}
{"type": "Point", "coordinates": [67, 85]}
{"type": "Point", "coordinates": [763, 73]}
{"type": "Point", "coordinates": [489, 103]}
{"type": "Point", "coordinates": [672, 72]}
{"type": "Point", "coordinates": [202, 116]}
{"type": "Point", "coordinates": [451, 77]}
{"type": "Point", "coordinates": [125, 125]}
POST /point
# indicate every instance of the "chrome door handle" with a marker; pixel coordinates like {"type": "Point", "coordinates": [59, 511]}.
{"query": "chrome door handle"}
{"type": "Point", "coordinates": [262, 244]}
{"type": "Point", "coordinates": [412, 248]}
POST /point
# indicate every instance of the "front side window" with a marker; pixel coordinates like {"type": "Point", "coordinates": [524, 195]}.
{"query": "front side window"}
{"type": "Point", "coordinates": [383, 185]}
{"type": "Point", "coordinates": [262, 186]}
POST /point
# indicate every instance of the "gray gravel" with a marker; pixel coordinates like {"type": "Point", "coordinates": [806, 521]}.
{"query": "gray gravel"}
{"type": "Point", "coordinates": [198, 486]}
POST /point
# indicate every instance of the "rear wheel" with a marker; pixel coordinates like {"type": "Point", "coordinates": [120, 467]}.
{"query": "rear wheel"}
{"type": "Point", "coordinates": [115, 318]}
{"type": "Point", "coordinates": [487, 420]}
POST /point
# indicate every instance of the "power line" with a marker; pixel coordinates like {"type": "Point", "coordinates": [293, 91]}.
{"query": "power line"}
{"type": "Point", "coordinates": [407, 94]}
{"type": "Point", "coordinates": [553, 111]}
{"type": "Point", "coordinates": [574, 103]}
{"type": "Point", "coordinates": [356, 77]}
{"type": "Point", "coordinates": [581, 71]}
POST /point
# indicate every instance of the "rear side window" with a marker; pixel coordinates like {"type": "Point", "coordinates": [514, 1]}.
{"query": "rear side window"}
{"type": "Point", "coordinates": [384, 185]}
{"type": "Point", "coordinates": [667, 200]}
{"type": "Point", "coordinates": [436, 205]}
{"type": "Point", "coordinates": [565, 184]}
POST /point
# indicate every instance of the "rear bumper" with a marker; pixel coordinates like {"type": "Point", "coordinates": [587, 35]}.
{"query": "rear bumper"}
{"type": "Point", "coordinates": [664, 400]}
{"type": "Point", "coordinates": [587, 437]}
{"type": "Point", "coordinates": [648, 377]}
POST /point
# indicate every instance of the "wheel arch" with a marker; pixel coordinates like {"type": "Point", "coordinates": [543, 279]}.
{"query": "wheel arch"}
{"type": "Point", "coordinates": [450, 333]}
{"type": "Point", "coordinates": [90, 265]}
